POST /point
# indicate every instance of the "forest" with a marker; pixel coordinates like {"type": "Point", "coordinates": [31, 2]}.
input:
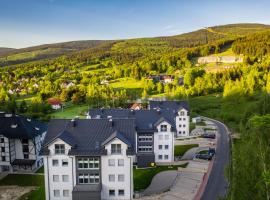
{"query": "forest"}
{"type": "Point", "coordinates": [238, 95]}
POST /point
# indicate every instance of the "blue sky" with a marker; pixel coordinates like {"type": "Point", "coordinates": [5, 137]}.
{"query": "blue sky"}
{"type": "Point", "coordinates": [32, 22]}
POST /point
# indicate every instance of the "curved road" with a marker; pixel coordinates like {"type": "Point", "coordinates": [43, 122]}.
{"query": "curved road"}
{"type": "Point", "coordinates": [217, 184]}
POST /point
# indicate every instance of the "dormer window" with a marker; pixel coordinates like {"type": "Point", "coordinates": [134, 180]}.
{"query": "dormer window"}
{"type": "Point", "coordinates": [163, 128]}
{"type": "Point", "coordinates": [13, 125]}
{"type": "Point", "coordinates": [182, 113]}
{"type": "Point", "coordinates": [116, 148]}
{"type": "Point", "coordinates": [59, 149]}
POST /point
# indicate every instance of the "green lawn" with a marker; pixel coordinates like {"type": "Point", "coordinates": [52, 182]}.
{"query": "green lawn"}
{"type": "Point", "coordinates": [179, 150]}
{"type": "Point", "coordinates": [27, 180]}
{"type": "Point", "coordinates": [70, 112]}
{"type": "Point", "coordinates": [128, 83]}
{"type": "Point", "coordinates": [143, 177]}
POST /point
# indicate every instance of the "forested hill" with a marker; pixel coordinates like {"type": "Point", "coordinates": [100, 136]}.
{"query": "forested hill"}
{"type": "Point", "coordinates": [132, 47]}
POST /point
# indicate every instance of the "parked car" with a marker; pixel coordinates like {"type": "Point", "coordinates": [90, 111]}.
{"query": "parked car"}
{"type": "Point", "coordinates": [209, 135]}
{"type": "Point", "coordinates": [212, 151]}
{"type": "Point", "coordinates": [204, 156]}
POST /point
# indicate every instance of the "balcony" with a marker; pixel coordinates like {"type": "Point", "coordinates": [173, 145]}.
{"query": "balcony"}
{"type": "Point", "coordinates": [59, 151]}
{"type": "Point", "coordinates": [116, 151]}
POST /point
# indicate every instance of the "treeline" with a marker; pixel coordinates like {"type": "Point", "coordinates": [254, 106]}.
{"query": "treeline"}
{"type": "Point", "coordinates": [256, 45]}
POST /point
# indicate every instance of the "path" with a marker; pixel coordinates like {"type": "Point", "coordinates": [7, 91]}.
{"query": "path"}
{"type": "Point", "coordinates": [161, 182]}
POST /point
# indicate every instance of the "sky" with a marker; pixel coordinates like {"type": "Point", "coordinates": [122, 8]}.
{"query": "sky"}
{"type": "Point", "coordinates": [26, 23]}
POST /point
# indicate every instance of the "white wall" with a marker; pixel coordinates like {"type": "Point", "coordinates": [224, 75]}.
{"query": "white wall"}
{"type": "Point", "coordinates": [126, 170]}
{"type": "Point", "coordinates": [182, 123]}
{"type": "Point", "coordinates": [50, 170]}
{"type": "Point", "coordinates": [161, 139]}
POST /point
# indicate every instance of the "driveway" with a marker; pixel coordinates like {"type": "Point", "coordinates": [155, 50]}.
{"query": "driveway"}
{"type": "Point", "coordinates": [161, 182]}
{"type": "Point", "coordinates": [217, 184]}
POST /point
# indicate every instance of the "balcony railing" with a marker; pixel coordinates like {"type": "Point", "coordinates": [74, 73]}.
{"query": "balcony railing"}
{"type": "Point", "coordinates": [116, 151]}
{"type": "Point", "coordinates": [59, 151]}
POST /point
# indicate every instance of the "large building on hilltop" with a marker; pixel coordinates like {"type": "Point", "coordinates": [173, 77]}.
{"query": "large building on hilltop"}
{"type": "Point", "coordinates": [20, 141]}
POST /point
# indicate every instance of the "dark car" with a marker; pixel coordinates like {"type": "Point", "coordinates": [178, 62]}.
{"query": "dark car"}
{"type": "Point", "coordinates": [209, 135]}
{"type": "Point", "coordinates": [204, 156]}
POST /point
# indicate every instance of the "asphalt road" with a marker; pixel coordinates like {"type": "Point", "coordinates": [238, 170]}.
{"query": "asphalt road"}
{"type": "Point", "coordinates": [217, 184]}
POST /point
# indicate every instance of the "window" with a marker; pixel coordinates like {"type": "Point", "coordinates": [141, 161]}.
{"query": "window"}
{"type": "Point", "coordinates": [116, 148]}
{"type": "Point", "coordinates": [65, 163]}
{"type": "Point", "coordinates": [66, 193]}
{"type": "Point", "coordinates": [121, 177]}
{"type": "Point", "coordinates": [184, 132]}
{"type": "Point", "coordinates": [65, 178]}
{"type": "Point", "coordinates": [88, 178]}
{"type": "Point", "coordinates": [59, 148]}
{"type": "Point", "coordinates": [180, 125]}
{"type": "Point", "coordinates": [160, 157]}
{"type": "Point", "coordinates": [145, 138]}
{"type": "Point", "coordinates": [121, 192]}
{"type": "Point", "coordinates": [163, 128]}
{"type": "Point", "coordinates": [184, 119]}
{"type": "Point", "coordinates": [180, 119]}
{"type": "Point", "coordinates": [121, 162]}
{"type": "Point", "coordinates": [159, 146]}
{"type": "Point", "coordinates": [55, 178]}
{"type": "Point", "coordinates": [160, 137]}
{"type": "Point", "coordinates": [111, 162]}
{"type": "Point", "coordinates": [55, 162]}
{"type": "Point", "coordinates": [56, 193]}
{"type": "Point", "coordinates": [26, 156]}
{"type": "Point", "coordinates": [180, 132]}
{"type": "Point", "coordinates": [2, 140]}
{"type": "Point", "coordinates": [111, 177]}
{"type": "Point", "coordinates": [111, 192]}
{"type": "Point", "coordinates": [3, 158]}
{"type": "Point", "coordinates": [166, 157]}
{"type": "Point", "coordinates": [88, 163]}
{"type": "Point", "coordinates": [182, 113]}
{"type": "Point", "coordinates": [145, 148]}
{"type": "Point", "coordinates": [25, 148]}
{"type": "Point", "coordinates": [167, 137]}
{"type": "Point", "coordinates": [3, 149]}
{"type": "Point", "coordinates": [166, 146]}
{"type": "Point", "coordinates": [184, 125]}
{"type": "Point", "coordinates": [24, 141]}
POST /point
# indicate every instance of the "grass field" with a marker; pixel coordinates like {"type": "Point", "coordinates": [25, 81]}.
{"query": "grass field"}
{"type": "Point", "coordinates": [180, 150]}
{"type": "Point", "coordinates": [27, 180]}
{"type": "Point", "coordinates": [128, 83]}
{"type": "Point", "coordinates": [143, 177]}
{"type": "Point", "coordinates": [70, 112]}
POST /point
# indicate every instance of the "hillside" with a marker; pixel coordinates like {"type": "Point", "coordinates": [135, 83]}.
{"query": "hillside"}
{"type": "Point", "coordinates": [133, 47]}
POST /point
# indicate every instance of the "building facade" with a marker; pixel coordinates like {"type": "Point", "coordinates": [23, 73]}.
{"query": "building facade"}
{"type": "Point", "coordinates": [20, 143]}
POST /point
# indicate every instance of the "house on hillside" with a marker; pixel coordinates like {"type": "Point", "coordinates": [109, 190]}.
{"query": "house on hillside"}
{"type": "Point", "coordinates": [20, 141]}
{"type": "Point", "coordinates": [55, 103]}
{"type": "Point", "coordinates": [136, 106]}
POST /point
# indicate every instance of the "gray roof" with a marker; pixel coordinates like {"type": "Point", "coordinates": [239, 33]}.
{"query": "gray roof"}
{"type": "Point", "coordinates": [88, 135]}
{"type": "Point", "coordinates": [169, 105]}
{"type": "Point", "coordinates": [17, 126]}
{"type": "Point", "coordinates": [146, 120]}
{"type": "Point", "coordinates": [116, 134]}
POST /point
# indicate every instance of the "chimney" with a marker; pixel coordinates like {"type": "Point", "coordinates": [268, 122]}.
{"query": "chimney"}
{"type": "Point", "coordinates": [159, 111]}
{"type": "Point", "coordinates": [111, 122]}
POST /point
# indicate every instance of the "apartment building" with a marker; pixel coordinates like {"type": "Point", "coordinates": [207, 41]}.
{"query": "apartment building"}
{"type": "Point", "coordinates": [180, 111]}
{"type": "Point", "coordinates": [20, 141]}
{"type": "Point", "coordinates": [89, 159]}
